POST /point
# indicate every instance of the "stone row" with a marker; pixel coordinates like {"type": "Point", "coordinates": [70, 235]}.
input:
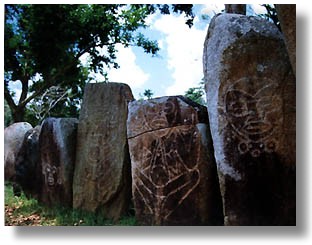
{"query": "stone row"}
{"type": "Point", "coordinates": [86, 164]}
{"type": "Point", "coordinates": [179, 164]}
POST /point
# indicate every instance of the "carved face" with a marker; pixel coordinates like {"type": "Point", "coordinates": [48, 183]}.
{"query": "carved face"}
{"type": "Point", "coordinates": [162, 115]}
{"type": "Point", "coordinates": [50, 175]}
{"type": "Point", "coordinates": [251, 112]}
{"type": "Point", "coordinates": [156, 116]}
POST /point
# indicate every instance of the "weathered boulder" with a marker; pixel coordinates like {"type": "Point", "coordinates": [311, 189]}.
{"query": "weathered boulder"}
{"type": "Point", "coordinates": [174, 178]}
{"type": "Point", "coordinates": [287, 16]}
{"type": "Point", "coordinates": [13, 140]}
{"type": "Point", "coordinates": [57, 143]}
{"type": "Point", "coordinates": [251, 98]}
{"type": "Point", "coordinates": [28, 174]}
{"type": "Point", "coordinates": [102, 181]}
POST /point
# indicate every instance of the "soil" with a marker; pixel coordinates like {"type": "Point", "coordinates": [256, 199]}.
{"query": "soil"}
{"type": "Point", "coordinates": [19, 220]}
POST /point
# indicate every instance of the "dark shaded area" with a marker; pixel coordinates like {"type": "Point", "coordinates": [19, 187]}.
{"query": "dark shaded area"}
{"type": "Point", "coordinates": [28, 171]}
{"type": "Point", "coordinates": [266, 195]}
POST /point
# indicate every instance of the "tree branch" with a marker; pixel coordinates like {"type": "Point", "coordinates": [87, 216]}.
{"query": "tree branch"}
{"type": "Point", "coordinates": [51, 81]}
{"type": "Point", "coordinates": [9, 98]}
{"type": "Point", "coordinates": [24, 93]}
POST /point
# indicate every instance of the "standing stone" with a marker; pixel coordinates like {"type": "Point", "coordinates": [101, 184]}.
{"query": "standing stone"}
{"type": "Point", "coordinates": [13, 140]}
{"type": "Point", "coordinates": [251, 99]}
{"type": "Point", "coordinates": [28, 174]}
{"type": "Point", "coordinates": [102, 181]}
{"type": "Point", "coordinates": [287, 16]}
{"type": "Point", "coordinates": [174, 178]}
{"type": "Point", "coordinates": [57, 142]}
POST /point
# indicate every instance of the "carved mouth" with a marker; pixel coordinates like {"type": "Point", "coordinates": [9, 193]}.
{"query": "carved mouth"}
{"type": "Point", "coordinates": [159, 122]}
{"type": "Point", "coordinates": [257, 127]}
{"type": "Point", "coordinates": [51, 181]}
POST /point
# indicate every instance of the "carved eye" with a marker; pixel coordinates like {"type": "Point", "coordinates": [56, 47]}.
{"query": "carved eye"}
{"type": "Point", "coordinates": [238, 107]}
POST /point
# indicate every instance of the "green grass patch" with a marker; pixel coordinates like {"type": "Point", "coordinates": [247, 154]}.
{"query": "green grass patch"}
{"type": "Point", "coordinates": [23, 211]}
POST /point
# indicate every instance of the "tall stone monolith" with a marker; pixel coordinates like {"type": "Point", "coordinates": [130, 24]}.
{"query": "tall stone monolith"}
{"type": "Point", "coordinates": [57, 146]}
{"type": "Point", "coordinates": [251, 99]}
{"type": "Point", "coordinates": [174, 178]}
{"type": "Point", "coordinates": [102, 181]}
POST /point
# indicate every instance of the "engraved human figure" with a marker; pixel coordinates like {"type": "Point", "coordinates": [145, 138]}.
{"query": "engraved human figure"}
{"type": "Point", "coordinates": [167, 178]}
{"type": "Point", "coordinates": [51, 175]}
{"type": "Point", "coordinates": [253, 112]}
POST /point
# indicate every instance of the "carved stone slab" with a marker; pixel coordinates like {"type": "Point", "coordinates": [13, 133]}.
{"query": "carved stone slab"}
{"type": "Point", "coordinates": [102, 181]}
{"type": "Point", "coordinates": [57, 157]}
{"type": "Point", "coordinates": [251, 98]}
{"type": "Point", "coordinates": [174, 179]}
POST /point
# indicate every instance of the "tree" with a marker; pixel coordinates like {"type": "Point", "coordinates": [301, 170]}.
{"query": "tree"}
{"type": "Point", "coordinates": [44, 44]}
{"type": "Point", "coordinates": [148, 93]}
{"type": "Point", "coordinates": [196, 94]}
{"type": "Point", "coordinates": [7, 115]}
{"type": "Point", "coordinates": [271, 14]}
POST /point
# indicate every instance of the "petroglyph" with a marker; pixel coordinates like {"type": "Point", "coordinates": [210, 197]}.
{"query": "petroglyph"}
{"type": "Point", "coordinates": [251, 100]}
{"type": "Point", "coordinates": [51, 175]}
{"type": "Point", "coordinates": [253, 113]}
{"type": "Point", "coordinates": [165, 176]}
{"type": "Point", "coordinates": [169, 161]}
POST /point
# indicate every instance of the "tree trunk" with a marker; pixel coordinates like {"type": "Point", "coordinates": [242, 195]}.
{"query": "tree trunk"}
{"type": "Point", "coordinates": [18, 114]}
{"type": "Point", "coordinates": [286, 14]}
{"type": "Point", "coordinates": [235, 8]}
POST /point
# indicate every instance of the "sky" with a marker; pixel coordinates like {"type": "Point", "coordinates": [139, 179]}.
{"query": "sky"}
{"type": "Point", "coordinates": [177, 66]}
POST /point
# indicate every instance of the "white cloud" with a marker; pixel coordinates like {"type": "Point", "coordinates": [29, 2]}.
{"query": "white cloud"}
{"type": "Point", "coordinates": [212, 9]}
{"type": "Point", "coordinates": [16, 87]}
{"type": "Point", "coordinates": [185, 48]}
{"type": "Point", "coordinates": [258, 9]}
{"type": "Point", "coordinates": [129, 72]}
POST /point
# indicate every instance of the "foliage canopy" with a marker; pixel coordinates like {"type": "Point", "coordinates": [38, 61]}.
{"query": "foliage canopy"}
{"type": "Point", "coordinates": [44, 44]}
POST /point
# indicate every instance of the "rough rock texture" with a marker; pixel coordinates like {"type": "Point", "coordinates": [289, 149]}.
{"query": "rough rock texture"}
{"type": "Point", "coordinates": [57, 142]}
{"type": "Point", "coordinates": [13, 140]}
{"type": "Point", "coordinates": [28, 174]}
{"type": "Point", "coordinates": [251, 98]}
{"type": "Point", "coordinates": [102, 181]}
{"type": "Point", "coordinates": [287, 16]}
{"type": "Point", "coordinates": [174, 178]}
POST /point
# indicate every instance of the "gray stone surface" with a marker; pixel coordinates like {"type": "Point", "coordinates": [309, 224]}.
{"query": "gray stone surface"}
{"type": "Point", "coordinates": [102, 181]}
{"type": "Point", "coordinates": [174, 179]}
{"type": "Point", "coordinates": [251, 98]}
{"type": "Point", "coordinates": [13, 140]}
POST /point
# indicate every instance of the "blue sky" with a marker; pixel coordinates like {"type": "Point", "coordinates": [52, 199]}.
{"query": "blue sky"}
{"type": "Point", "coordinates": [178, 65]}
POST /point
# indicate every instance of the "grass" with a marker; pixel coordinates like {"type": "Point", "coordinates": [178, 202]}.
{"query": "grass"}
{"type": "Point", "coordinates": [20, 211]}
